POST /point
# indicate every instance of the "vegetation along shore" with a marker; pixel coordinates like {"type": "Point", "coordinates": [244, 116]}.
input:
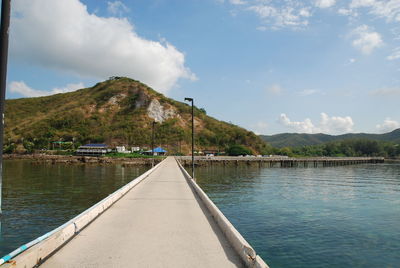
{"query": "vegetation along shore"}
{"type": "Point", "coordinates": [71, 159]}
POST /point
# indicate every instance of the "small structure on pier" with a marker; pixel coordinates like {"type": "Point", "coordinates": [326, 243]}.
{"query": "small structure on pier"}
{"type": "Point", "coordinates": [93, 149]}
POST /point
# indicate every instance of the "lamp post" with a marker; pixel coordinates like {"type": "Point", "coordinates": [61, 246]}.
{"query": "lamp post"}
{"type": "Point", "coordinates": [191, 100]}
{"type": "Point", "coordinates": [4, 28]}
{"type": "Point", "coordinates": [152, 143]}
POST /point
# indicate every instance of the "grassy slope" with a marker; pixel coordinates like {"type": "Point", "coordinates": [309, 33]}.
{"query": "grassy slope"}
{"type": "Point", "coordinates": [115, 112]}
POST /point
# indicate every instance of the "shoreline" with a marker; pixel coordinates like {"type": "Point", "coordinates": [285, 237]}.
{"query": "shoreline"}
{"type": "Point", "coordinates": [201, 160]}
{"type": "Point", "coordinates": [73, 159]}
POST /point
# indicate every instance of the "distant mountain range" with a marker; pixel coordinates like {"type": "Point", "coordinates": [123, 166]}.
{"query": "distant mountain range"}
{"type": "Point", "coordinates": [297, 140]}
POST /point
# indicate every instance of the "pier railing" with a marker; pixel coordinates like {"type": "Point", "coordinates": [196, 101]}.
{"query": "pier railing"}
{"type": "Point", "coordinates": [240, 245]}
{"type": "Point", "coordinates": [34, 252]}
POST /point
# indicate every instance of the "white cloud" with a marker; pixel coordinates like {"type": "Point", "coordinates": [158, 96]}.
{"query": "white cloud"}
{"type": "Point", "coordinates": [395, 54]}
{"type": "Point", "coordinates": [237, 2]}
{"type": "Point", "coordinates": [361, 3]}
{"type": "Point", "coordinates": [325, 3]}
{"type": "Point", "coordinates": [335, 124]}
{"type": "Point", "coordinates": [308, 92]}
{"type": "Point", "coordinates": [305, 12]}
{"type": "Point", "coordinates": [327, 124]}
{"type": "Point", "coordinates": [291, 14]}
{"type": "Point", "coordinates": [21, 88]}
{"type": "Point", "coordinates": [388, 125]}
{"type": "Point", "coordinates": [26, 91]}
{"type": "Point", "coordinates": [388, 9]}
{"type": "Point", "coordinates": [275, 89]}
{"type": "Point", "coordinates": [67, 88]}
{"type": "Point", "coordinates": [305, 126]}
{"type": "Point", "coordinates": [366, 40]}
{"type": "Point", "coordinates": [117, 8]}
{"type": "Point", "coordinates": [346, 12]}
{"type": "Point", "coordinates": [63, 35]}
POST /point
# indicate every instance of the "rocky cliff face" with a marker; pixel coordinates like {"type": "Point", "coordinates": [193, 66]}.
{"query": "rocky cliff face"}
{"type": "Point", "coordinates": [159, 113]}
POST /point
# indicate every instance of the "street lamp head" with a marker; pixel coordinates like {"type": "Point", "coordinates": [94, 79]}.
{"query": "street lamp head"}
{"type": "Point", "coordinates": [189, 99]}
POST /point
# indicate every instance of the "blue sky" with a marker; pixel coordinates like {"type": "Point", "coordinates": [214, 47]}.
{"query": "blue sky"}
{"type": "Point", "coordinates": [270, 66]}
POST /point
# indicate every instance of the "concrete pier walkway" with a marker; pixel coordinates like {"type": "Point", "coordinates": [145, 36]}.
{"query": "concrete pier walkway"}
{"type": "Point", "coordinates": [159, 223]}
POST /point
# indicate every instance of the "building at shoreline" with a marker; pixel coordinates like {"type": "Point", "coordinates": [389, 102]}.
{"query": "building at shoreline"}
{"type": "Point", "coordinates": [157, 151]}
{"type": "Point", "coordinates": [93, 149]}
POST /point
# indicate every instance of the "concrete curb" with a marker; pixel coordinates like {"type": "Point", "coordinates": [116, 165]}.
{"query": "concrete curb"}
{"type": "Point", "coordinates": [241, 246]}
{"type": "Point", "coordinates": [58, 237]}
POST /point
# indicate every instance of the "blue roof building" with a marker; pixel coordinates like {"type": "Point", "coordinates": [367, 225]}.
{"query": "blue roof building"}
{"type": "Point", "coordinates": [95, 145]}
{"type": "Point", "coordinates": [157, 151]}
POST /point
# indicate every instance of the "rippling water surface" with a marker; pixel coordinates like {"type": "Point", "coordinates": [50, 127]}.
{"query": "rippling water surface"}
{"type": "Point", "coordinates": [313, 217]}
{"type": "Point", "coordinates": [40, 197]}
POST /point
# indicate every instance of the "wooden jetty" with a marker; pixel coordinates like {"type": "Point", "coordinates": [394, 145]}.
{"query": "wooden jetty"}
{"type": "Point", "coordinates": [279, 161]}
{"type": "Point", "coordinates": [160, 219]}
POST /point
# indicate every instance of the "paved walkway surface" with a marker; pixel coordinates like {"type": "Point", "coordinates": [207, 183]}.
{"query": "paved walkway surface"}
{"type": "Point", "coordinates": [159, 223]}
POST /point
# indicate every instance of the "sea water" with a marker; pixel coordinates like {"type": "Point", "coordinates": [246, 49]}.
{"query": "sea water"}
{"type": "Point", "coordinates": [346, 216]}
{"type": "Point", "coordinates": [38, 197]}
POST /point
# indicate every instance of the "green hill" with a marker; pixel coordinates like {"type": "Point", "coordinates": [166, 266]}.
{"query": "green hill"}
{"type": "Point", "coordinates": [297, 140]}
{"type": "Point", "coordinates": [119, 111]}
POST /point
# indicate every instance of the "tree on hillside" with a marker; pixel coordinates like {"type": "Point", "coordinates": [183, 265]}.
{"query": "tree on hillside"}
{"type": "Point", "coordinates": [236, 150]}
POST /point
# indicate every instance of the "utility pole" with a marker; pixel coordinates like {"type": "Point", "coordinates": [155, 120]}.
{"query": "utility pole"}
{"type": "Point", "coordinates": [4, 29]}
{"type": "Point", "coordinates": [191, 100]}
{"type": "Point", "coordinates": [152, 143]}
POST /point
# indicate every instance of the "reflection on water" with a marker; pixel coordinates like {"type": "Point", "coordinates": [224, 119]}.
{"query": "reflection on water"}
{"type": "Point", "coordinates": [313, 217]}
{"type": "Point", "coordinates": [40, 197]}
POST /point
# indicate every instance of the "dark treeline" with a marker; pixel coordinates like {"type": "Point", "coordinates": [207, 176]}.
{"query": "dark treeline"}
{"type": "Point", "coordinates": [350, 147]}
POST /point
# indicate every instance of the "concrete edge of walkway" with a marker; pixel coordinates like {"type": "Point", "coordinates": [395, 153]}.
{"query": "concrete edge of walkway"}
{"type": "Point", "coordinates": [53, 240]}
{"type": "Point", "coordinates": [240, 245]}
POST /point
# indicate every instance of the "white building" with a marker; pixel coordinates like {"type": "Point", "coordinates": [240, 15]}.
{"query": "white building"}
{"type": "Point", "coordinates": [122, 149]}
{"type": "Point", "coordinates": [135, 149]}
